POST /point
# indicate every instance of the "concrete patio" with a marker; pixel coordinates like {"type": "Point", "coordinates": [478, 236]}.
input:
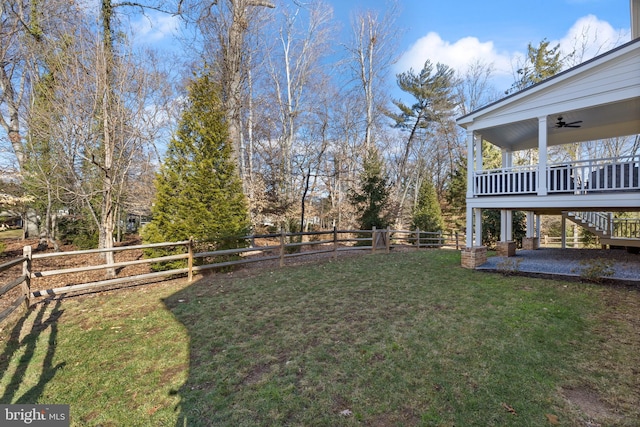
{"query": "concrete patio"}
{"type": "Point", "coordinates": [567, 263]}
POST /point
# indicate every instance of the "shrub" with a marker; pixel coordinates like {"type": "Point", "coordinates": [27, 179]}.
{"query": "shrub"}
{"type": "Point", "coordinates": [509, 266]}
{"type": "Point", "coordinates": [78, 232]}
{"type": "Point", "coordinates": [596, 270]}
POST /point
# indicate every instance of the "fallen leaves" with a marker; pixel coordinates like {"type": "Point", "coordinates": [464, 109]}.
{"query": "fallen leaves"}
{"type": "Point", "coordinates": [553, 419]}
{"type": "Point", "coordinates": [509, 409]}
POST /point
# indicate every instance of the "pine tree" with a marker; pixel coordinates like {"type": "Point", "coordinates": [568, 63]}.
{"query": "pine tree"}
{"type": "Point", "coordinates": [199, 192]}
{"type": "Point", "coordinates": [541, 63]}
{"type": "Point", "coordinates": [433, 92]}
{"type": "Point", "coordinates": [373, 196]}
{"type": "Point", "coordinates": [427, 215]}
{"type": "Point", "coordinates": [456, 195]}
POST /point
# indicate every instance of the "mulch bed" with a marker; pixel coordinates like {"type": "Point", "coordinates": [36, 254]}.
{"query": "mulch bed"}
{"type": "Point", "coordinates": [14, 250]}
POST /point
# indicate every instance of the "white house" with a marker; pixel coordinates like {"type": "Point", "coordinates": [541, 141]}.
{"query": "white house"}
{"type": "Point", "coordinates": [595, 100]}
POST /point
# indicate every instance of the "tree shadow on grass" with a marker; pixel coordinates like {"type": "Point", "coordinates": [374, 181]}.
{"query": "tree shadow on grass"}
{"type": "Point", "coordinates": [194, 409]}
{"type": "Point", "coordinates": [28, 345]}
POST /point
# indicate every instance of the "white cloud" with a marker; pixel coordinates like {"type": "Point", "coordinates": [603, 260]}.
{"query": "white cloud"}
{"type": "Point", "coordinates": [153, 28]}
{"type": "Point", "coordinates": [458, 55]}
{"type": "Point", "coordinates": [590, 37]}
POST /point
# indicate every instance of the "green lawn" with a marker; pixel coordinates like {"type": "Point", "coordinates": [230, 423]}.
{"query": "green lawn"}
{"type": "Point", "coordinates": [11, 234]}
{"type": "Point", "coordinates": [377, 340]}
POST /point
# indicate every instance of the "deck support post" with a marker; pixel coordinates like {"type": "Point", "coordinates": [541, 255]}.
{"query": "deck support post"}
{"type": "Point", "coordinates": [473, 257]}
{"type": "Point", "coordinates": [532, 239]}
{"type": "Point", "coordinates": [506, 246]}
{"type": "Point", "coordinates": [478, 226]}
{"type": "Point", "coordinates": [470, 145]}
{"type": "Point", "coordinates": [530, 224]}
{"type": "Point", "coordinates": [469, 228]}
{"type": "Point", "coordinates": [542, 156]}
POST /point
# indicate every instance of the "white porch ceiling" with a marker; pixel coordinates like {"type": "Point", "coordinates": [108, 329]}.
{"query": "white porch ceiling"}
{"type": "Point", "coordinates": [598, 122]}
{"type": "Point", "coordinates": [603, 93]}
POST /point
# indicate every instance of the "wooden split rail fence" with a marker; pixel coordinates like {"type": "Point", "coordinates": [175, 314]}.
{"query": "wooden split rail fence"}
{"type": "Point", "coordinates": [285, 245]}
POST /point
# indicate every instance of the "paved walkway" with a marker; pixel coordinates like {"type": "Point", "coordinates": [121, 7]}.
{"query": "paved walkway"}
{"type": "Point", "coordinates": [568, 262]}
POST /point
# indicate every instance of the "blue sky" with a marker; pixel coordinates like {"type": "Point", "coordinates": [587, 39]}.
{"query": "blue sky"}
{"type": "Point", "coordinates": [457, 32]}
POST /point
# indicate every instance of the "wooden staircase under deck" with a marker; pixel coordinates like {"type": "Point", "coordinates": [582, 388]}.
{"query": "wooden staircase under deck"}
{"type": "Point", "coordinates": [611, 231]}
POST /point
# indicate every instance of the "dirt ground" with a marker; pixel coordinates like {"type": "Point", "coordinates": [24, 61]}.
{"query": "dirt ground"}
{"type": "Point", "coordinates": [14, 249]}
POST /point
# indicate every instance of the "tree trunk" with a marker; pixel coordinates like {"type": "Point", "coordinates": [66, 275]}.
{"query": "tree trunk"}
{"type": "Point", "coordinates": [233, 74]}
{"type": "Point", "coordinates": [107, 211]}
{"type": "Point", "coordinates": [12, 127]}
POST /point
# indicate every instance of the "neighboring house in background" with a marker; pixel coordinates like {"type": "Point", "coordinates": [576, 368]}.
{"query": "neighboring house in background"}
{"type": "Point", "coordinates": [14, 214]}
{"type": "Point", "coordinates": [595, 100]}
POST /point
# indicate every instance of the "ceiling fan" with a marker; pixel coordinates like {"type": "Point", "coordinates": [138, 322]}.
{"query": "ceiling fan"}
{"type": "Point", "coordinates": [562, 124]}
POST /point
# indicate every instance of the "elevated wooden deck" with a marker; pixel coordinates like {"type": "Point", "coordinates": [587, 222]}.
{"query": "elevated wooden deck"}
{"type": "Point", "coordinates": [571, 178]}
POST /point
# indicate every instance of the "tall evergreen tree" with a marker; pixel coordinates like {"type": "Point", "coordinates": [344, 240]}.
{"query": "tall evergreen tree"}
{"type": "Point", "coordinates": [373, 196]}
{"type": "Point", "coordinates": [427, 215]}
{"type": "Point", "coordinates": [199, 192]}
{"type": "Point", "coordinates": [456, 195]}
{"type": "Point", "coordinates": [433, 91]}
{"type": "Point", "coordinates": [541, 63]}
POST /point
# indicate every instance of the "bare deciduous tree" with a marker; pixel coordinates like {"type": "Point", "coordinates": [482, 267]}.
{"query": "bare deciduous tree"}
{"type": "Point", "coordinates": [370, 55]}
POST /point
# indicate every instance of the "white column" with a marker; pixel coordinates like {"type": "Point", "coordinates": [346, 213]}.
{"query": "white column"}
{"type": "Point", "coordinates": [509, 226]}
{"type": "Point", "coordinates": [478, 140]}
{"type": "Point", "coordinates": [503, 225]}
{"type": "Point", "coordinates": [470, 187]}
{"type": "Point", "coordinates": [469, 235]}
{"type": "Point", "coordinates": [478, 226]}
{"type": "Point", "coordinates": [542, 156]}
{"type": "Point", "coordinates": [507, 158]}
{"type": "Point", "coordinates": [470, 180]}
{"type": "Point", "coordinates": [563, 233]}
{"type": "Point", "coordinates": [530, 224]}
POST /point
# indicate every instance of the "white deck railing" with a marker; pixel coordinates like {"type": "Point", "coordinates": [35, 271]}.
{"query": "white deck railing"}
{"type": "Point", "coordinates": [577, 177]}
{"type": "Point", "coordinates": [617, 228]}
{"type": "Point", "coordinates": [602, 221]}
{"type": "Point", "coordinates": [514, 180]}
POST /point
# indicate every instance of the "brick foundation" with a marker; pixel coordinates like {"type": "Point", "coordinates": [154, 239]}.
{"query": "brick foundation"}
{"type": "Point", "coordinates": [473, 257]}
{"type": "Point", "coordinates": [506, 248]}
{"type": "Point", "coordinates": [530, 243]}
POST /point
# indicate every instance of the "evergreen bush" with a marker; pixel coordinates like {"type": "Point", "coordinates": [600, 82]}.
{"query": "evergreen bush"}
{"type": "Point", "coordinates": [199, 192]}
{"type": "Point", "coordinates": [372, 197]}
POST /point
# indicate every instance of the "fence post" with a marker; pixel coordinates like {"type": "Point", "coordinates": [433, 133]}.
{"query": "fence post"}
{"type": "Point", "coordinates": [440, 240]}
{"type": "Point", "coordinates": [335, 242]}
{"type": "Point", "coordinates": [26, 272]}
{"type": "Point", "coordinates": [281, 247]}
{"type": "Point", "coordinates": [190, 259]}
{"type": "Point", "coordinates": [373, 239]}
{"type": "Point", "coordinates": [418, 237]}
{"type": "Point", "coordinates": [388, 239]}
{"type": "Point", "coordinates": [457, 242]}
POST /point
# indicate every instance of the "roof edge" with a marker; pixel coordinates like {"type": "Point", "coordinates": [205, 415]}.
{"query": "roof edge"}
{"type": "Point", "coordinates": [554, 77]}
